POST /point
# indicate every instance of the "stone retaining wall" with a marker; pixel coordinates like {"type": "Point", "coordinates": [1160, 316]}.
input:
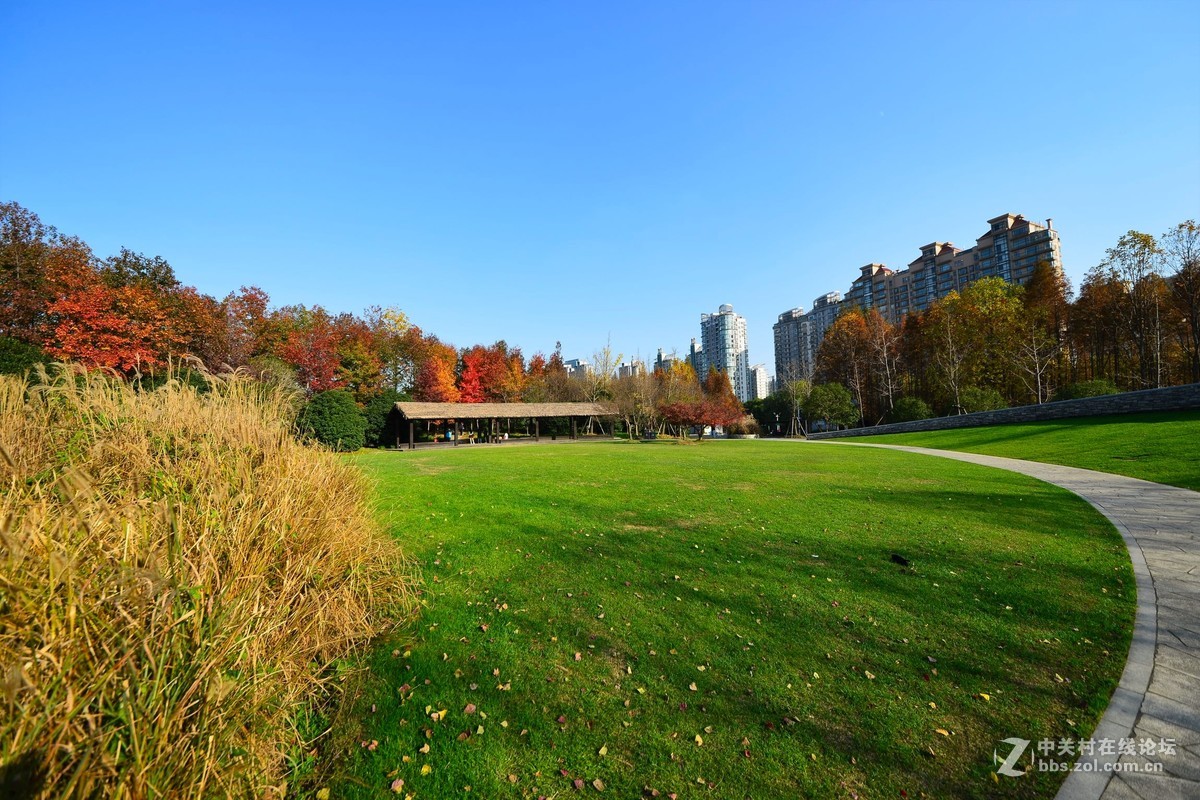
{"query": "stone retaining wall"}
{"type": "Point", "coordinates": [1174, 398]}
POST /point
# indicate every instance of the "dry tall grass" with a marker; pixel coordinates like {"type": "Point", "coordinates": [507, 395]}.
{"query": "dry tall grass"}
{"type": "Point", "coordinates": [176, 576]}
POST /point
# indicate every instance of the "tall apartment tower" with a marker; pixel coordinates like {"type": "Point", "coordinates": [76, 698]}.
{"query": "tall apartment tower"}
{"type": "Point", "coordinates": [825, 310]}
{"type": "Point", "coordinates": [798, 337]}
{"type": "Point", "coordinates": [760, 382]}
{"type": "Point", "coordinates": [788, 339]}
{"type": "Point", "coordinates": [723, 336]}
{"type": "Point", "coordinates": [696, 358]}
{"type": "Point", "coordinates": [663, 362]}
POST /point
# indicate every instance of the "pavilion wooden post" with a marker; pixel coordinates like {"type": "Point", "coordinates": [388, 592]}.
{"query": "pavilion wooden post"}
{"type": "Point", "coordinates": [411, 436]}
{"type": "Point", "coordinates": [457, 432]}
{"type": "Point", "coordinates": [536, 430]}
{"type": "Point", "coordinates": [574, 430]}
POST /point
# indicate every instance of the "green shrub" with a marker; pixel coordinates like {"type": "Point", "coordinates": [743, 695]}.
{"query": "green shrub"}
{"type": "Point", "coordinates": [17, 357]}
{"type": "Point", "coordinates": [1074, 391]}
{"type": "Point", "coordinates": [908, 409]}
{"type": "Point", "coordinates": [977, 399]}
{"type": "Point", "coordinates": [832, 403]}
{"type": "Point", "coordinates": [333, 419]}
{"type": "Point", "coordinates": [382, 428]}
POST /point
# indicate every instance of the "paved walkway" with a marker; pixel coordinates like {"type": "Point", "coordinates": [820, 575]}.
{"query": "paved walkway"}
{"type": "Point", "coordinates": [1159, 694]}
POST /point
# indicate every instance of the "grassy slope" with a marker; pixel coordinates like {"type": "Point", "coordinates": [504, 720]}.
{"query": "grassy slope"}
{"type": "Point", "coordinates": [761, 574]}
{"type": "Point", "coordinates": [1160, 447]}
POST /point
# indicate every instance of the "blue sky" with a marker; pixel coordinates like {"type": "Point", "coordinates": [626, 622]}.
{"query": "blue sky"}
{"type": "Point", "coordinates": [573, 171]}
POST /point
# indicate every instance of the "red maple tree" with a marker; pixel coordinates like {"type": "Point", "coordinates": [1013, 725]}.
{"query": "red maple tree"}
{"type": "Point", "coordinates": [311, 347]}
{"type": "Point", "coordinates": [470, 384]}
{"type": "Point", "coordinates": [125, 328]}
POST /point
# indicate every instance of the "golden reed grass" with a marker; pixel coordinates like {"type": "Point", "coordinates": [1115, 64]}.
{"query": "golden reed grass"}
{"type": "Point", "coordinates": [177, 575]}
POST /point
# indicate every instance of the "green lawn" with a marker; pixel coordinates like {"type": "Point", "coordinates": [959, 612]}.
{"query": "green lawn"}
{"type": "Point", "coordinates": [1161, 447]}
{"type": "Point", "coordinates": [725, 620]}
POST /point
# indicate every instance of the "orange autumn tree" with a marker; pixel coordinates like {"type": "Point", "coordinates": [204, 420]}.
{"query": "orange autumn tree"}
{"type": "Point", "coordinates": [435, 375]}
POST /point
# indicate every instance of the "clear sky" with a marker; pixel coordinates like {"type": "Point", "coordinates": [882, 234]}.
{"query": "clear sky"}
{"type": "Point", "coordinates": [574, 170]}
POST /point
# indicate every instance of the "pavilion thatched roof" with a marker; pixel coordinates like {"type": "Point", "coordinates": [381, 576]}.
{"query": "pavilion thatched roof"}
{"type": "Point", "coordinates": [503, 410]}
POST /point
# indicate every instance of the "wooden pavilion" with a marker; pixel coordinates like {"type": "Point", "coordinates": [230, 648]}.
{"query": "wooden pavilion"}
{"type": "Point", "coordinates": [411, 413]}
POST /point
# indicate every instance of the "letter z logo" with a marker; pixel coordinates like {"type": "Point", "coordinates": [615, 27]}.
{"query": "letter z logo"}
{"type": "Point", "coordinates": [1006, 768]}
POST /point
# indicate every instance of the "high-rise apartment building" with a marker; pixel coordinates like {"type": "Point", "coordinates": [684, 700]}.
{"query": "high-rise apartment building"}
{"type": "Point", "coordinates": [1012, 247]}
{"type": "Point", "coordinates": [723, 337]}
{"type": "Point", "coordinates": [788, 338]}
{"type": "Point", "coordinates": [1010, 250]}
{"type": "Point", "coordinates": [631, 370]}
{"type": "Point", "coordinates": [798, 336]}
{"type": "Point", "coordinates": [760, 382]}
{"type": "Point", "coordinates": [696, 358]}
{"type": "Point", "coordinates": [664, 362]}
{"type": "Point", "coordinates": [577, 368]}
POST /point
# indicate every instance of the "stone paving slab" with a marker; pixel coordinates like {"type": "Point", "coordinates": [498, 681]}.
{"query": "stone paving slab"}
{"type": "Point", "coordinates": [1159, 693]}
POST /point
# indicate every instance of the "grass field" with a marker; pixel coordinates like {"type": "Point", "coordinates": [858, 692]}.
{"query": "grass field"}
{"type": "Point", "coordinates": [726, 620]}
{"type": "Point", "coordinates": [1161, 447]}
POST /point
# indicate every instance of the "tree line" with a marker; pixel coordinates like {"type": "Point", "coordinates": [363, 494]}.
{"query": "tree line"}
{"type": "Point", "coordinates": [129, 313]}
{"type": "Point", "coordinates": [1134, 324]}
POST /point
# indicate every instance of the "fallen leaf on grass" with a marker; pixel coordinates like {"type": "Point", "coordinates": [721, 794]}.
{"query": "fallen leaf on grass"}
{"type": "Point", "coordinates": [603, 750]}
{"type": "Point", "coordinates": [942, 731]}
{"type": "Point", "coordinates": [598, 784]}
